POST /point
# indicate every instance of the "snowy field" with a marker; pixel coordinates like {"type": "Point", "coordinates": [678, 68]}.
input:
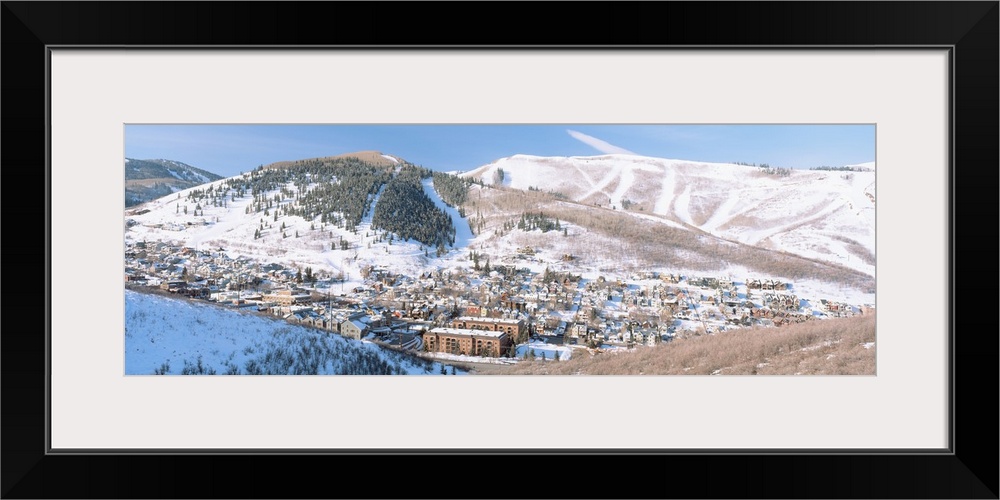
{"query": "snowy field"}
{"type": "Point", "coordinates": [541, 350]}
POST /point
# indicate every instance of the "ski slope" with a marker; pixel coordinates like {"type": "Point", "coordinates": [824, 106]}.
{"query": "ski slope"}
{"type": "Point", "coordinates": [825, 215]}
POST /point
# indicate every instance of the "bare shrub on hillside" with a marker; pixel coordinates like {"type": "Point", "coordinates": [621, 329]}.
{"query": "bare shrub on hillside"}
{"type": "Point", "coordinates": [741, 220]}
{"type": "Point", "coordinates": [830, 347]}
{"type": "Point", "coordinates": [702, 208]}
{"type": "Point", "coordinates": [856, 248]}
{"type": "Point", "coordinates": [660, 245]}
{"type": "Point", "coordinates": [654, 244]}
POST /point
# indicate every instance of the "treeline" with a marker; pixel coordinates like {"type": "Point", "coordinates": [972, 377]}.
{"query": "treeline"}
{"type": "Point", "coordinates": [453, 190]}
{"type": "Point", "coordinates": [778, 171]}
{"type": "Point", "coordinates": [216, 197]}
{"type": "Point", "coordinates": [532, 221]}
{"type": "Point", "coordinates": [767, 169]}
{"type": "Point", "coordinates": [338, 191]}
{"type": "Point", "coordinates": [527, 223]}
{"type": "Point", "coordinates": [842, 169]}
{"type": "Point", "coordinates": [345, 202]}
{"type": "Point", "coordinates": [404, 209]}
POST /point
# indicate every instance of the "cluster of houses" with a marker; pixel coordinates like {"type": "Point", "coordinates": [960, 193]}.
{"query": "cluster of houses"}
{"type": "Point", "coordinates": [475, 313]}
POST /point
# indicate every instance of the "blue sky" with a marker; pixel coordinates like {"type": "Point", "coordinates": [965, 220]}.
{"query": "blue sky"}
{"type": "Point", "coordinates": [230, 149]}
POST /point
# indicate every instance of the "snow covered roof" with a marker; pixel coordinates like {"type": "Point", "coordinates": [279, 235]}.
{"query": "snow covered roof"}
{"type": "Point", "coordinates": [488, 320]}
{"type": "Point", "coordinates": [359, 325]}
{"type": "Point", "coordinates": [464, 331]}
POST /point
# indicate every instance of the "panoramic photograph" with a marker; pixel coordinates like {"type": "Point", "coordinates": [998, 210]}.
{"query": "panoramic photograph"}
{"type": "Point", "coordinates": [573, 249]}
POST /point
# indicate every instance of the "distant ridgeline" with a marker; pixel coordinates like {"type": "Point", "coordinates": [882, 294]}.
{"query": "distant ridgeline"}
{"type": "Point", "coordinates": [340, 191]}
{"type": "Point", "coordinates": [147, 180]}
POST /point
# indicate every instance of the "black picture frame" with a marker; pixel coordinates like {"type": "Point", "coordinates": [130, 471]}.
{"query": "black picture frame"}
{"type": "Point", "coordinates": [969, 29]}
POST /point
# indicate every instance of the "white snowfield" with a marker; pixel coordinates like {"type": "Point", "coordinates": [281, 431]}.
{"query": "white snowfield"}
{"type": "Point", "coordinates": [541, 350]}
{"type": "Point", "coordinates": [174, 335]}
{"type": "Point", "coordinates": [825, 215]}
{"type": "Point", "coordinates": [463, 233]}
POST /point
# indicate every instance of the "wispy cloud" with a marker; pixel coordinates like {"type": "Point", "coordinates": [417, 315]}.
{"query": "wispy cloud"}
{"type": "Point", "coordinates": [602, 146]}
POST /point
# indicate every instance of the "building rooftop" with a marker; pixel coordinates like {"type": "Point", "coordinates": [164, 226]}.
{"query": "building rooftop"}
{"type": "Point", "coordinates": [467, 332]}
{"type": "Point", "coordinates": [487, 320]}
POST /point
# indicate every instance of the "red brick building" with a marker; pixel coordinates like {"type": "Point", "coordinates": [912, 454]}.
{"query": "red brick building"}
{"type": "Point", "coordinates": [512, 327]}
{"type": "Point", "coordinates": [468, 342]}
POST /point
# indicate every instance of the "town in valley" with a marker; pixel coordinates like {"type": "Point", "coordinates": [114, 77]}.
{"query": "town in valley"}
{"type": "Point", "coordinates": [522, 260]}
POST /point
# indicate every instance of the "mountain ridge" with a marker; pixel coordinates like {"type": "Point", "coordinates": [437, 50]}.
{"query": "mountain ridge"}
{"type": "Point", "coordinates": [370, 156]}
{"type": "Point", "coordinates": [535, 227]}
{"type": "Point", "coordinates": [828, 215]}
{"type": "Point", "coordinates": [146, 180]}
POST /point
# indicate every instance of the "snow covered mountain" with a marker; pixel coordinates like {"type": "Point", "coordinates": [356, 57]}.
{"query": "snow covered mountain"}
{"type": "Point", "coordinates": [306, 213]}
{"type": "Point", "coordinates": [608, 215]}
{"type": "Point", "coordinates": [826, 215]}
{"type": "Point", "coordinates": [150, 179]}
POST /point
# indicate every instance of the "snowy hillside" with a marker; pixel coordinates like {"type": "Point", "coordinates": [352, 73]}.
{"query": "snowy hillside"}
{"type": "Point", "coordinates": [824, 215]}
{"type": "Point", "coordinates": [290, 240]}
{"type": "Point", "coordinates": [175, 336]}
{"type": "Point", "coordinates": [608, 215]}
